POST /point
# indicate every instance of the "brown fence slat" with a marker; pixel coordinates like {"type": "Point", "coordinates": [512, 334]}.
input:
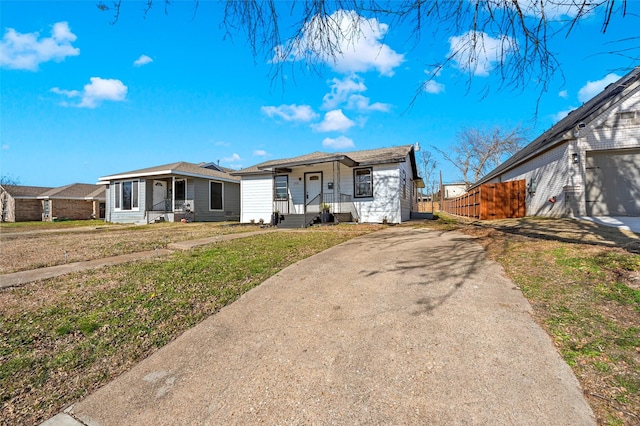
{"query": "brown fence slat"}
{"type": "Point", "coordinates": [490, 201]}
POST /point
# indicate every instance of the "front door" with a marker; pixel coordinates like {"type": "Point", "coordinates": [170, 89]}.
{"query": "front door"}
{"type": "Point", "coordinates": [159, 195]}
{"type": "Point", "coordinates": [313, 188]}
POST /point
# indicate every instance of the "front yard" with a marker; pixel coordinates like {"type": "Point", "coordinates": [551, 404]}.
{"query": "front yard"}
{"type": "Point", "coordinates": [64, 337]}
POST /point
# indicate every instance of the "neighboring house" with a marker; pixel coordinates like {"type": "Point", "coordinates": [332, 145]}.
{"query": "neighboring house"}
{"type": "Point", "coordinates": [586, 164]}
{"type": "Point", "coordinates": [453, 190]}
{"type": "Point", "coordinates": [20, 203]}
{"type": "Point", "coordinates": [76, 202]}
{"type": "Point", "coordinates": [197, 192]}
{"type": "Point", "coordinates": [378, 185]}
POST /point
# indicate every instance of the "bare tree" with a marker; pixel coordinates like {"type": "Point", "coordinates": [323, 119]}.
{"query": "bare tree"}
{"type": "Point", "coordinates": [511, 37]}
{"type": "Point", "coordinates": [479, 151]}
{"type": "Point", "coordinates": [428, 166]}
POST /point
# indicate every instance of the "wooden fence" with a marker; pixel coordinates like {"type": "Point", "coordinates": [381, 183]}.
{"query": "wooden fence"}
{"type": "Point", "coordinates": [491, 201]}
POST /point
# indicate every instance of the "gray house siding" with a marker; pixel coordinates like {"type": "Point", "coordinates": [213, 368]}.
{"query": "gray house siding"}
{"type": "Point", "coordinates": [128, 216]}
{"type": "Point", "coordinates": [230, 202]}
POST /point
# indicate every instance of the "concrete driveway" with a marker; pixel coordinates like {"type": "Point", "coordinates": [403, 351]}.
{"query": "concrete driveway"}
{"type": "Point", "coordinates": [402, 326]}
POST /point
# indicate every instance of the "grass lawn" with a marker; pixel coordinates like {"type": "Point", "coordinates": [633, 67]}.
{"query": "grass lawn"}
{"type": "Point", "coordinates": [583, 282]}
{"type": "Point", "coordinates": [24, 249]}
{"type": "Point", "coordinates": [40, 225]}
{"type": "Point", "coordinates": [64, 337]}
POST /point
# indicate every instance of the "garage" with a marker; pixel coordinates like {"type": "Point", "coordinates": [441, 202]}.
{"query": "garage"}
{"type": "Point", "coordinates": [613, 182]}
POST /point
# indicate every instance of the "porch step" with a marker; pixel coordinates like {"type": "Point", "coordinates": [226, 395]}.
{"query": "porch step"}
{"type": "Point", "coordinates": [291, 221]}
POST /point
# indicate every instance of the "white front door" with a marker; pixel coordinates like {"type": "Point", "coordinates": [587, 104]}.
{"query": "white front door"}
{"type": "Point", "coordinates": [313, 188]}
{"type": "Point", "coordinates": [159, 195]}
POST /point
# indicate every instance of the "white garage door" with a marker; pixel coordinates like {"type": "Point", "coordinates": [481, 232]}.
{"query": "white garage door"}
{"type": "Point", "coordinates": [613, 183]}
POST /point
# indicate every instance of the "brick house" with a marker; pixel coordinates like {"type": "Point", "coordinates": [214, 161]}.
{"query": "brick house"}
{"type": "Point", "coordinates": [587, 164]}
{"type": "Point", "coordinates": [76, 202]}
{"type": "Point", "coordinates": [20, 203]}
{"type": "Point", "coordinates": [37, 203]}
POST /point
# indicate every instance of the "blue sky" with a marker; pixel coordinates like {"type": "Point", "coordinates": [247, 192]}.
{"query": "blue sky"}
{"type": "Point", "coordinates": [82, 98]}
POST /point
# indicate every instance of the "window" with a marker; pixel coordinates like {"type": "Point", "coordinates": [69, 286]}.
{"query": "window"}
{"type": "Point", "coordinates": [215, 196]}
{"type": "Point", "coordinates": [126, 195]}
{"type": "Point", "coordinates": [181, 192]}
{"type": "Point", "coordinates": [363, 183]}
{"type": "Point", "coordinates": [403, 182]}
{"type": "Point", "coordinates": [281, 187]}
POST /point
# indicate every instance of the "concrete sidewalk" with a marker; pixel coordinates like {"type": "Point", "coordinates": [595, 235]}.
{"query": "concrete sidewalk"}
{"type": "Point", "coordinates": [24, 277]}
{"type": "Point", "coordinates": [402, 326]}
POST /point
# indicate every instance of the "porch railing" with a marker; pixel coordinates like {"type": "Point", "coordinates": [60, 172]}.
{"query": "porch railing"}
{"type": "Point", "coordinates": [338, 203]}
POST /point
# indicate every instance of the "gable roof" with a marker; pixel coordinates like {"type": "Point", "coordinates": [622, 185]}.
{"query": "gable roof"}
{"type": "Point", "coordinates": [20, 191]}
{"type": "Point", "coordinates": [180, 168]}
{"type": "Point", "coordinates": [577, 119]}
{"type": "Point", "coordinates": [76, 191]}
{"type": "Point", "coordinates": [368, 157]}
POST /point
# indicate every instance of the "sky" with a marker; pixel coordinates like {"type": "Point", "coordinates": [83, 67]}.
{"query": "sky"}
{"type": "Point", "coordinates": [83, 97]}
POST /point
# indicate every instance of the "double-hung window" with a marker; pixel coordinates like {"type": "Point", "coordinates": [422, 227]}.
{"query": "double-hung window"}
{"type": "Point", "coordinates": [127, 195]}
{"type": "Point", "coordinates": [215, 195]}
{"type": "Point", "coordinates": [281, 187]}
{"type": "Point", "coordinates": [363, 182]}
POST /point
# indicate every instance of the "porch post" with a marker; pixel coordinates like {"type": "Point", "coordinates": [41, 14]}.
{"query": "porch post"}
{"type": "Point", "coordinates": [173, 193]}
{"type": "Point", "coordinates": [337, 186]}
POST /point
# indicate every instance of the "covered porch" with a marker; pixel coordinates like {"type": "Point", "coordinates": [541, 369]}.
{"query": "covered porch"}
{"type": "Point", "coordinates": [316, 190]}
{"type": "Point", "coordinates": [171, 199]}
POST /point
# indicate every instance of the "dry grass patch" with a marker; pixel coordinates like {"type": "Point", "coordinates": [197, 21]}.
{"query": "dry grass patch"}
{"type": "Point", "coordinates": [583, 282]}
{"type": "Point", "coordinates": [28, 250]}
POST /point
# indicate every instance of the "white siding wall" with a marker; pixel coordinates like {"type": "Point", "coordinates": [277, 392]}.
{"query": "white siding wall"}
{"type": "Point", "coordinates": [386, 201]}
{"type": "Point", "coordinates": [556, 174]}
{"type": "Point", "coordinates": [256, 193]}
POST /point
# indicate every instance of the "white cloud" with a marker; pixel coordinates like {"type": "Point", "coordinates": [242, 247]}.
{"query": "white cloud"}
{"type": "Point", "coordinates": [551, 10]}
{"type": "Point", "coordinates": [293, 112]}
{"type": "Point", "coordinates": [234, 157]}
{"type": "Point", "coordinates": [346, 91]}
{"type": "Point", "coordinates": [142, 60]}
{"type": "Point", "coordinates": [563, 94]}
{"type": "Point", "coordinates": [260, 153]}
{"type": "Point", "coordinates": [100, 89]}
{"type": "Point", "coordinates": [27, 51]}
{"type": "Point", "coordinates": [334, 121]}
{"type": "Point", "coordinates": [341, 142]}
{"type": "Point", "coordinates": [341, 90]}
{"type": "Point", "coordinates": [432, 86]}
{"type": "Point", "coordinates": [222, 143]}
{"type": "Point", "coordinates": [356, 41]}
{"type": "Point", "coordinates": [477, 52]}
{"type": "Point", "coordinates": [592, 88]}
{"type": "Point", "coordinates": [5, 147]}
{"type": "Point", "coordinates": [362, 103]}
{"type": "Point", "coordinates": [67, 93]}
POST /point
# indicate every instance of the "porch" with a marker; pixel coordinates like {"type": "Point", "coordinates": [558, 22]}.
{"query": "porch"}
{"type": "Point", "coordinates": [170, 201]}
{"type": "Point", "coordinates": [322, 209]}
{"type": "Point", "coordinates": [163, 212]}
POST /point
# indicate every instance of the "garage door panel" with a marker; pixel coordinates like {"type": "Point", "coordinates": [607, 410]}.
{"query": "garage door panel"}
{"type": "Point", "coordinates": [613, 183]}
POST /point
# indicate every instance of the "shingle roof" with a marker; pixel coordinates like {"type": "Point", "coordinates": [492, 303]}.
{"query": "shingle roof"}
{"type": "Point", "coordinates": [180, 168]}
{"type": "Point", "coordinates": [76, 191]}
{"type": "Point", "coordinates": [353, 158]}
{"type": "Point", "coordinates": [556, 134]}
{"type": "Point", "coordinates": [25, 191]}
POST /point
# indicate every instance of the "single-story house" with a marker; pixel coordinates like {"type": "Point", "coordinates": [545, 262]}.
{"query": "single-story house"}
{"type": "Point", "coordinates": [377, 185]}
{"type": "Point", "coordinates": [20, 203]}
{"type": "Point", "coordinates": [588, 164]}
{"type": "Point", "coordinates": [76, 202]}
{"type": "Point", "coordinates": [202, 192]}
{"type": "Point", "coordinates": [453, 190]}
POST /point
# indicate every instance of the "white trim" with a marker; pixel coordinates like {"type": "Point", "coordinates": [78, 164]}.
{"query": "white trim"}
{"type": "Point", "coordinates": [222, 196]}
{"type": "Point", "coordinates": [132, 209]}
{"type": "Point", "coordinates": [106, 179]}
